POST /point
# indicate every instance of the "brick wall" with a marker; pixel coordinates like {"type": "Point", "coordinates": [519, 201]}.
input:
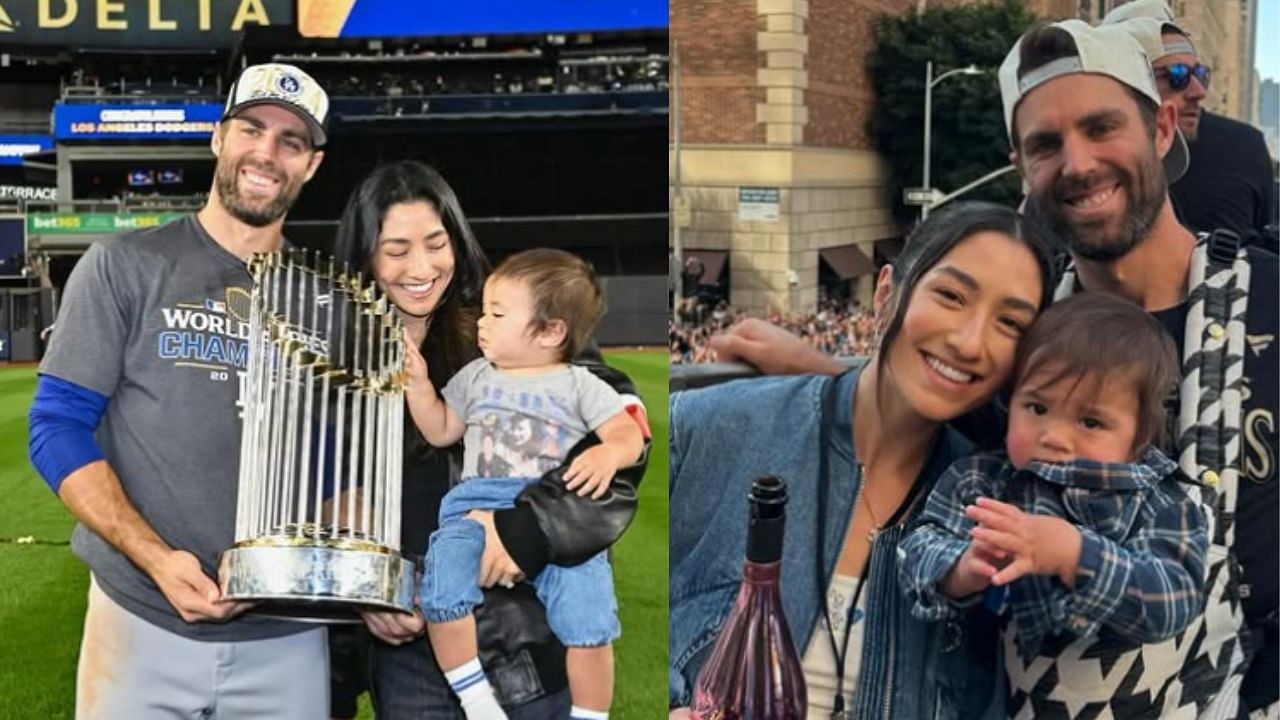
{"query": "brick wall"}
{"type": "Point", "coordinates": [774, 94]}
{"type": "Point", "coordinates": [718, 60]}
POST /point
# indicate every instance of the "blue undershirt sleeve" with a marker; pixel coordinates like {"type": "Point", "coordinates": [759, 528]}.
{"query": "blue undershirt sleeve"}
{"type": "Point", "coordinates": [62, 419]}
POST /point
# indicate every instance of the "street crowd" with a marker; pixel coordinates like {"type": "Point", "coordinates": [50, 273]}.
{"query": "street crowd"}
{"type": "Point", "coordinates": [837, 328]}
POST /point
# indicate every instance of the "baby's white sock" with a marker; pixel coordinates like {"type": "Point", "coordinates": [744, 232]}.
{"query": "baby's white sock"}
{"type": "Point", "coordinates": [473, 690]}
{"type": "Point", "coordinates": [578, 713]}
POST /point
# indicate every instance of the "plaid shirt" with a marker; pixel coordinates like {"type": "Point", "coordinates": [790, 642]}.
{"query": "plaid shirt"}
{"type": "Point", "coordinates": [1142, 555]}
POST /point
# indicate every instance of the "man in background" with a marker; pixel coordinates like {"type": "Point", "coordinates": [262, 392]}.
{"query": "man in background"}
{"type": "Point", "coordinates": [1230, 183]}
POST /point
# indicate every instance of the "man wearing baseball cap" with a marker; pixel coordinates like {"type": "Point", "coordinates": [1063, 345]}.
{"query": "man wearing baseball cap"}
{"type": "Point", "coordinates": [1096, 146]}
{"type": "Point", "coordinates": [1172, 55]}
{"type": "Point", "coordinates": [1229, 184]}
{"type": "Point", "coordinates": [135, 426]}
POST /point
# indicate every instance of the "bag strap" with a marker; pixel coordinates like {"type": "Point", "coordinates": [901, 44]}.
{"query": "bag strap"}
{"type": "Point", "coordinates": [1211, 401]}
{"type": "Point", "coordinates": [1223, 248]}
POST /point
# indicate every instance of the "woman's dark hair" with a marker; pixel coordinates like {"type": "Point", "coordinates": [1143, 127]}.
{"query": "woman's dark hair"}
{"type": "Point", "coordinates": [938, 235]}
{"type": "Point", "coordinates": [1092, 336]}
{"type": "Point", "coordinates": [450, 342]}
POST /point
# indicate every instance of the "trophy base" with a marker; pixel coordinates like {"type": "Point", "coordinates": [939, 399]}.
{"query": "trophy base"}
{"type": "Point", "coordinates": [315, 583]}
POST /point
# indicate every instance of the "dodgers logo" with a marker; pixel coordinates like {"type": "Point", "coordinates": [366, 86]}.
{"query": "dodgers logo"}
{"type": "Point", "coordinates": [288, 84]}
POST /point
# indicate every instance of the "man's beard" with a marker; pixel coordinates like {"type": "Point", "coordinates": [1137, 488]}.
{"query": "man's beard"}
{"type": "Point", "coordinates": [1146, 194]}
{"type": "Point", "coordinates": [226, 177]}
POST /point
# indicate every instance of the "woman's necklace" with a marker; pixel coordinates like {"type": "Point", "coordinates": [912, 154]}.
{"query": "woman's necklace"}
{"type": "Point", "coordinates": [866, 502]}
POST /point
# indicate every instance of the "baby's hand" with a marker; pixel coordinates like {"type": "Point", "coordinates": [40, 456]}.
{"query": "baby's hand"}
{"type": "Point", "coordinates": [415, 366]}
{"type": "Point", "coordinates": [591, 472]}
{"type": "Point", "coordinates": [972, 573]}
{"type": "Point", "coordinates": [1036, 544]}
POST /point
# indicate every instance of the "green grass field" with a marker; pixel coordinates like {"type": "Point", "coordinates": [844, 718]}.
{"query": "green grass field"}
{"type": "Point", "coordinates": [43, 586]}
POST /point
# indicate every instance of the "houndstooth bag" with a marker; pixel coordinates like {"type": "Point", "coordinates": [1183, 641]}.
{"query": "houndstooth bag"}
{"type": "Point", "coordinates": [1198, 673]}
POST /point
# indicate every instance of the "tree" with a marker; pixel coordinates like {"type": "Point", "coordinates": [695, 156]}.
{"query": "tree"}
{"type": "Point", "coordinates": [969, 138]}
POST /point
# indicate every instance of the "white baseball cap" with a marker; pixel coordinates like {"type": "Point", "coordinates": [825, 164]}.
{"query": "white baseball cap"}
{"type": "Point", "coordinates": [1109, 50]}
{"type": "Point", "coordinates": [1147, 21]}
{"type": "Point", "coordinates": [285, 86]}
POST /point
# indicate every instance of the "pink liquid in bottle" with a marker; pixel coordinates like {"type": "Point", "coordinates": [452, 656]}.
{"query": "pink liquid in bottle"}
{"type": "Point", "coordinates": [754, 672]}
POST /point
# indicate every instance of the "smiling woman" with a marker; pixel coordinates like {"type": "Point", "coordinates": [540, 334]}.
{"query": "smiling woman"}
{"type": "Point", "coordinates": [404, 227]}
{"type": "Point", "coordinates": [950, 311]}
{"type": "Point", "coordinates": [414, 260]}
{"type": "Point", "coordinates": [955, 334]}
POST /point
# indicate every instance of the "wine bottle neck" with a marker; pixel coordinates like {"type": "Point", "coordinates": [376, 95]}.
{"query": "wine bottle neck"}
{"type": "Point", "coordinates": [764, 539]}
{"type": "Point", "coordinates": [762, 573]}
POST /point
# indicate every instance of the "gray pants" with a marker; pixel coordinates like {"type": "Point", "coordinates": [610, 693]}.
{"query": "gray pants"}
{"type": "Point", "coordinates": [130, 668]}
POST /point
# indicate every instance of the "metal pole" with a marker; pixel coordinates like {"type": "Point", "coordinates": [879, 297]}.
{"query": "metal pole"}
{"type": "Point", "coordinates": [380, 434]}
{"type": "Point", "coordinates": [284, 280]}
{"type": "Point", "coordinates": [247, 486]}
{"type": "Point", "coordinates": [310, 333]}
{"type": "Point", "coordinates": [394, 440]}
{"type": "Point", "coordinates": [980, 181]}
{"type": "Point", "coordinates": [357, 402]}
{"type": "Point", "coordinates": [678, 295]}
{"type": "Point", "coordinates": [928, 131]}
{"type": "Point", "coordinates": [370, 422]}
{"type": "Point", "coordinates": [338, 341]}
{"type": "Point", "coordinates": [323, 426]}
{"type": "Point", "coordinates": [263, 393]}
{"type": "Point", "coordinates": [293, 318]}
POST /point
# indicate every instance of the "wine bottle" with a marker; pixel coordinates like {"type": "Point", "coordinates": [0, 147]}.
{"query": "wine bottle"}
{"type": "Point", "coordinates": [754, 672]}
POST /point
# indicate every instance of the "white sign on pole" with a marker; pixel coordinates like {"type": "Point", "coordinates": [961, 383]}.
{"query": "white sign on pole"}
{"type": "Point", "coordinates": [758, 204]}
{"type": "Point", "coordinates": [921, 196]}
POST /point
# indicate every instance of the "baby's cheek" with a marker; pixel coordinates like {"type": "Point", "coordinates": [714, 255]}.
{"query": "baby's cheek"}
{"type": "Point", "coordinates": [1020, 444]}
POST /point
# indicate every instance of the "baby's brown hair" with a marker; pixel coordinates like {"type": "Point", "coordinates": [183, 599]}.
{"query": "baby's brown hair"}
{"type": "Point", "coordinates": [563, 287]}
{"type": "Point", "coordinates": [1093, 335]}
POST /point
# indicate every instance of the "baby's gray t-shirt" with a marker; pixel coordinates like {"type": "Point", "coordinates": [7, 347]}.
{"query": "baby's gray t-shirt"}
{"type": "Point", "coordinates": [524, 426]}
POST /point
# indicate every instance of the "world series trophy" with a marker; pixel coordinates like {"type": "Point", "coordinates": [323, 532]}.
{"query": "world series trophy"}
{"type": "Point", "coordinates": [318, 514]}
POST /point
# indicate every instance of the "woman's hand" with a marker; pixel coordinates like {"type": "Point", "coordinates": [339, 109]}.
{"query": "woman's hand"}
{"type": "Point", "coordinates": [496, 565]}
{"type": "Point", "coordinates": [1038, 544]}
{"type": "Point", "coordinates": [397, 628]}
{"type": "Point", "coordinates": [680, 714]}
{"type": "Point", "coordinates": [394, 628]}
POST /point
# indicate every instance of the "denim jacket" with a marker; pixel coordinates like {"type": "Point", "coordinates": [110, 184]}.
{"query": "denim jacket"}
{"type": "Point", "coordinates": [725, 436]}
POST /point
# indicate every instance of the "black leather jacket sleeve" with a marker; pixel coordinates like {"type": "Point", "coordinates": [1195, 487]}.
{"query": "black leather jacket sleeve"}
{"type": "Point", "coordinates": [549, 524]}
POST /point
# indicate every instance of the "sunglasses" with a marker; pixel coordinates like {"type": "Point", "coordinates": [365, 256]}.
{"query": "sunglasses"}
{"type": "Point", "coordinates": [1179, 74]}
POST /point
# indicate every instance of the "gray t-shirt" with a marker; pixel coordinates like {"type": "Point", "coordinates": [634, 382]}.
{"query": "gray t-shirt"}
{"type": "Point", "coordinates": [149, 319]}
{"type": "Point", "coordinates": [525, 426]}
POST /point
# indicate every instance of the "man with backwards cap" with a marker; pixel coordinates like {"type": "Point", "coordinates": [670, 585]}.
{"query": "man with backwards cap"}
{"type": "Point", "coordinates": [1229, 184]}
{"type": "Point", "coordinates": [1095, 147]}
{"type": "Point", "coordinates": [134, 427]}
